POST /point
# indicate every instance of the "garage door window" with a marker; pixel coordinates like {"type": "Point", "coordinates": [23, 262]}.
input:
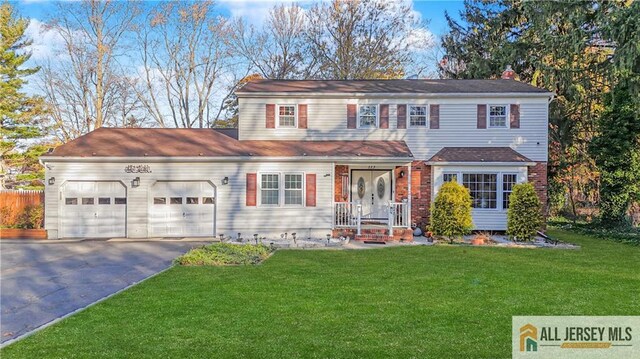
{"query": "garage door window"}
{"type": "Point", "coordinates": [87, 200]}
{"type": "Point", "coordinates": [192, 200]}
{"type": "Point", "coordinates": [159, 200]}
{"type": "Point", "coordinates": [104, 200]}
{"type": "Point", "coordinates": [71, 201]}
{"type": "Point", "coordinates": [176, 200]}
{"type": "Point", "coordinates": [120, 200]}
{"type": "Point", "coordinates": [207, 200]}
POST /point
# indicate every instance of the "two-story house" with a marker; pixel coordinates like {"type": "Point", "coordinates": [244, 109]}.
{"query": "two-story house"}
{"type": "Point", "coordinates": [308, 157]}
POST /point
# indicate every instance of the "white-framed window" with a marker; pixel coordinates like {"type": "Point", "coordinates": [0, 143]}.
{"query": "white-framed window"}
{"type": "Point", "coordinates": [418, 115]}
{"type": "Point", "coordinates": [450, 177]}
{"type": "Point", "coordinates": [508, 180]}
{"type": "Point", "coordinates": [293, 188]}
{"type": "Point", "coordinates": [498, 116]}
{"type": "Point", "coordinates": [368, 116]}
{"type": "Point", "coordinates": [483, 188]}
{"type": "Point", "coordinates": [287, 116]}
{"type": "Point", "coordinates": [270, 189]}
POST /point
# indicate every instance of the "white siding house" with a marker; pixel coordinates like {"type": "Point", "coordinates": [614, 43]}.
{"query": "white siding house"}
{"type": "Point", "coordinates": [308, 157]}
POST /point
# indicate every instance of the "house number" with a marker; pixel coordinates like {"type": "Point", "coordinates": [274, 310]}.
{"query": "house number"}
{"type": "Point", "coordinates": [137, 169]}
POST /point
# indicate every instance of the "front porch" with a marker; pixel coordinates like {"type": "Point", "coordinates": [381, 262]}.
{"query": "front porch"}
{"type": "Point", "coordinates": [372, 202]}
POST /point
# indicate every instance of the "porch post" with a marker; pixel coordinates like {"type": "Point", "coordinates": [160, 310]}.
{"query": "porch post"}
{"type": "Point", "coordinates": [409, 199]}
{"type": "Point", "coordinates": [333, 195]}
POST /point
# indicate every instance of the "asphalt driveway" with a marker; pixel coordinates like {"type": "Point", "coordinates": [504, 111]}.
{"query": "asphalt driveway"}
{"type": "Point", "coordinates": [40, 282]}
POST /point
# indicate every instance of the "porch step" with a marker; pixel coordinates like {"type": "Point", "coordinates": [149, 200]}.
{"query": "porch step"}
{"type": "Point", "coordinates": [373, 237]}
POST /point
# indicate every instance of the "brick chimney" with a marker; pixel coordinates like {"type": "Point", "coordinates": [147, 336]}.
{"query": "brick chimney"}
{"type": "Point", "coordinates": [508, 73]}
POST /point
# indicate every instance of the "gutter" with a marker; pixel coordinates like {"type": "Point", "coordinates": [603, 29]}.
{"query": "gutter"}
{"type": "Point", "coordinates": [356, 159]}
{"type": "Point", "coordinates": [413, 95]}
{"type": "Point", "coordinates": [437, 163]}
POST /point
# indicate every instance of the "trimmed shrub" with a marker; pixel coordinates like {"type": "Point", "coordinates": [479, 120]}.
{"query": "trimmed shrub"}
{"type": "Point", "coordinates": [451, 212]}
{"type": "Point", "coordinates": [225, 254]}
{"type": "Point", "coordinates": [524, 213]}
{"type": "Point", "coordinates": [32, 217]}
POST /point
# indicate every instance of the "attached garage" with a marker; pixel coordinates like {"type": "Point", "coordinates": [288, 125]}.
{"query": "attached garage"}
{"type": "Point", "coordinates": [182, 209]}
{"type": "Point", "coordinates": [93, 209]}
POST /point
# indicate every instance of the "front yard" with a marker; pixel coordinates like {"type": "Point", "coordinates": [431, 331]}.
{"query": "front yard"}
{"type": "Point", "coordinates": [437, 301]}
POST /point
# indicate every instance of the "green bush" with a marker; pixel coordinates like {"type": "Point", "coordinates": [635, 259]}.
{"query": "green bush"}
{"type": "Point", "coordinates": [225, 254]}
{"type": "Point", "coordinates": [451, 212]}
{"type": "Point", "coordinates": [524, 213]}
{"type": "Point", "coordinates": [32, 217]}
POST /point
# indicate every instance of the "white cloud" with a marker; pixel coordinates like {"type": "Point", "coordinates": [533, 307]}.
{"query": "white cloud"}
{"type": "Point", "coordinates": [46, 41]}
{"type": "Point", "coordinates": [255, 12]}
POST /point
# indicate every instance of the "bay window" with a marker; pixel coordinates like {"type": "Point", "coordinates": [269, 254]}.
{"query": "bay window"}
{"type": "Point", "coordinates": [508, 180]}
{"type": "Point", "coordinates": [483, 189]}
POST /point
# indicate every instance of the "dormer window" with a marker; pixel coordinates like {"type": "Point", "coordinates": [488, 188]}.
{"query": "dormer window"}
{"type": "Point", "coordinates": [287, 116]}
{"type": "Point", "coordinates": [368, 116]}
{"type": "Point", "coordinates": [497, 116]}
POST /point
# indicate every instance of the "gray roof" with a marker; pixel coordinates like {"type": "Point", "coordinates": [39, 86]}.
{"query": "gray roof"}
{"type": "Point", "coordinates": [389, 86]}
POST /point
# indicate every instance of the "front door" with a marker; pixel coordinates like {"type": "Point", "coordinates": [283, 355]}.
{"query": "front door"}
{"type": "Point", "coordinates": [373, 190]}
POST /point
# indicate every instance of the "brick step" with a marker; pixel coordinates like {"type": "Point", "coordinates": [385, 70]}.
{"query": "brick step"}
{"type": "Point", "coordinates": [373, 237]}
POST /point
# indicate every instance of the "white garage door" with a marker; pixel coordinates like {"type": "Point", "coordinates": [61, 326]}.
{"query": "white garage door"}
{"type": "Point", "coordinates": [182, 209]}
{"type": "Point", "coordinates": [93, 210]}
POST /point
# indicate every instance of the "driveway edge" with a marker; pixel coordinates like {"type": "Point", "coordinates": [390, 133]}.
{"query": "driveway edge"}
{"type": "Point", "coordinates": [54, 321]}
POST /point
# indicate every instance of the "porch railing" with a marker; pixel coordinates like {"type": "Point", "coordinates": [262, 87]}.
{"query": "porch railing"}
{"type": "Point", "coordinates": [398, 215]}
{"type": "Point", "coordinates": [348, 215]}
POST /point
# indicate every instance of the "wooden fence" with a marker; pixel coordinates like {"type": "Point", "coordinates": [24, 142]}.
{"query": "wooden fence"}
{"type": "Point", "coordinates": [12, 203]}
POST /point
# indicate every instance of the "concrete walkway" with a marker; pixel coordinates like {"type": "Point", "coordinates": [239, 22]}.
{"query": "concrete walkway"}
{"type": "Point", "coordinates": [42, 281]}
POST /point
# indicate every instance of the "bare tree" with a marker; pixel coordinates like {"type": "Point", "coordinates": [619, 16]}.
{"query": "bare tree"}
{"type": "Point", "coordinates": [83, 85]}
{"type": "Point", "coordinates": [186, 63]}
{"type": "Point", "coordinates": [278, 49]}
{"type": "Point", "coordinates": [363, 39]}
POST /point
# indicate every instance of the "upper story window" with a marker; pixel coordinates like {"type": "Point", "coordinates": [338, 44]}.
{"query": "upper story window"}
{"type": "Point", "coordinates": [497, 116]}
{"type": "Point", "coordinates": [286, 115]}
{"type": "Point", "coordinates": [368, 115]}
{"type": "Point", "coordinates": [417, 115]}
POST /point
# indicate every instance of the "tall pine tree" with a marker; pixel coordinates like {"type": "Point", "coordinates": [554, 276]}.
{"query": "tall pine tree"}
{"type": "Point", "coordinates": [18, 111]}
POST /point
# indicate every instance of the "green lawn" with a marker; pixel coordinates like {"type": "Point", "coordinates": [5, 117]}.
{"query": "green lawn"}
{"type": "Point", "coordinates": [398, 302]}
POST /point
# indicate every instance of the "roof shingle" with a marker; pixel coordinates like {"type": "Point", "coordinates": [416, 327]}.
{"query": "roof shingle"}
{"type": "Point", "coordinates": [478, 154]}
{"type": "Point", "coordinates": [163, 142]}
{"type": "Point", "coordinates": [438, 86]}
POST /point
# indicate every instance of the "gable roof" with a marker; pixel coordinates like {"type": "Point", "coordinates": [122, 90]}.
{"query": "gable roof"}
{"type": "Point", "coordinates": [436, 86]}
{"type": "Point", "coordinates": [478, 154]}
{"type": "Point", "coordinates": [171, 142]}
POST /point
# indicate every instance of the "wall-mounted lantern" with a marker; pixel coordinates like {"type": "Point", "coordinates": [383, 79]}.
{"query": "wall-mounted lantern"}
{"type": "Point", "coordinates": [401, 174]}
{"type": "Point", "coordinates": [52, 181]}
{"type": "Point", "coordinates": [225, 181]}
{"type": "Point", "coordinates": [135, 182]}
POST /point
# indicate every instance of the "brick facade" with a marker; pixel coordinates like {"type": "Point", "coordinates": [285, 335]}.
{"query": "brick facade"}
{"type": "Point", "coordinates": [340, 171]}
{"type": "Point", "coordinates": [420, 193]}
{"type": "Point", "coordinates": [537, 175]}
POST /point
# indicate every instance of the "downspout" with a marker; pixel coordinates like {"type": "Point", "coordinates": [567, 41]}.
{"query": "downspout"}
{"type": "Point", "coordinates": [409, 199]}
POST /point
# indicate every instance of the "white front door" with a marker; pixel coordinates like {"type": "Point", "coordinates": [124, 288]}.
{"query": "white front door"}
{"type": "Point", "coordinates": [182, 209]}
{"type": "Point", "coordinates": [373, 190]}
{"type": "Point", "coordinates": [93, 209]}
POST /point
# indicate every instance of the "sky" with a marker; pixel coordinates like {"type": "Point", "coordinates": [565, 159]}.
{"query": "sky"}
{"type": "Point", "coordinates": [45, 42]}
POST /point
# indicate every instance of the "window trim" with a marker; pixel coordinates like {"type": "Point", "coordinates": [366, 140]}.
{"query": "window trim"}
{"type": "Point", "coordinates": [506, 114]}
{"type": "Point", "coordinates": [295, 115]}
{"type": "Point", "coordinates": [426, 114]}
{"type": "Point", "coordinates": [281, 189]}
{"type": "Point", "coordinates": [377, 122]}
{"type": "Point", "coordinates": [259, 185]}
{"type": "Point", "coordinates": [502, 174]}
{"type": "Point", "coordinates": [499, 185]}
